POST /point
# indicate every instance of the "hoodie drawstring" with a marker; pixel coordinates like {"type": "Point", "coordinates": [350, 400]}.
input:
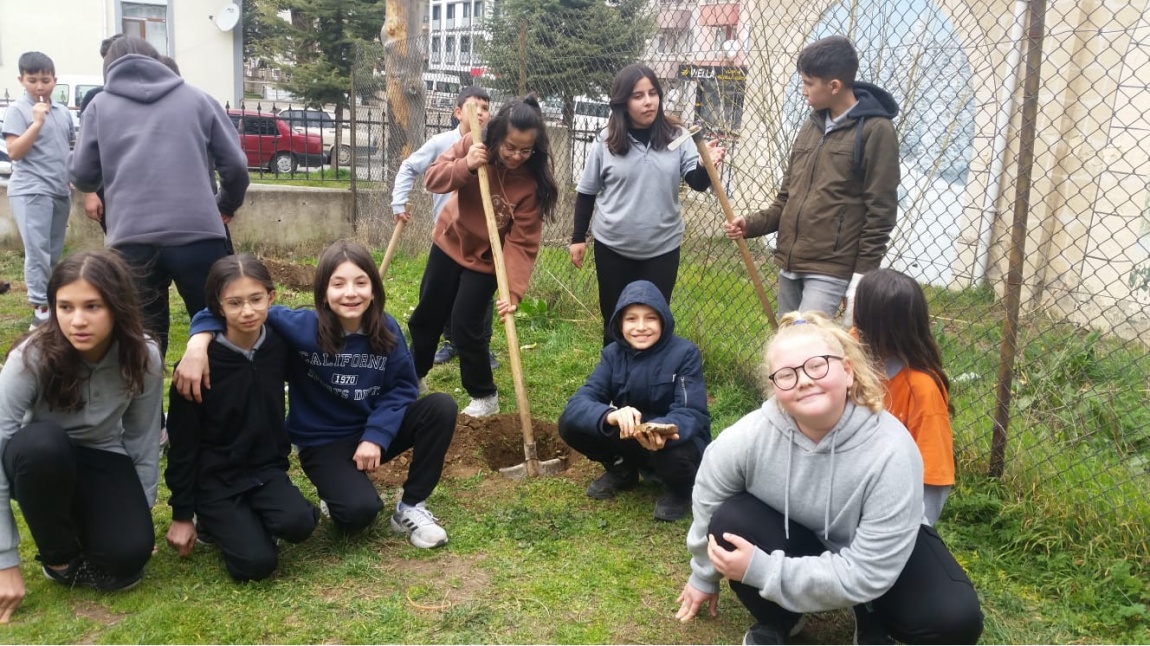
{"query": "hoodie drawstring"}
{"type": "Point", "coordinates": [787, 486]}
{"type": "Point", "coordinates": [830, 488]}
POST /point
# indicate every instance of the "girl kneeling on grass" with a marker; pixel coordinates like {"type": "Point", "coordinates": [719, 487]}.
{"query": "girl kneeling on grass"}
{"type": "Point", "coordinates": [353, 396]}
{"type": "Point", "coordinates": [459, 279]}
{"type": "Point", "coordinates": [228, 459]}
{"type": "Point", "coordinates": [814, 502]}
{"type": "Point", "coordinates": [80, 405]}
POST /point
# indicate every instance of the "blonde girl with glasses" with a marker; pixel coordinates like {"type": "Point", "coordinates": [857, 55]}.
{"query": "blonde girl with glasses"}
{"type": "Point", "coordinates": [459, 279]}
{"type": "Point", "coordinates": [228, 459]}
{"type": "Point", "coordinates": [814, 502]}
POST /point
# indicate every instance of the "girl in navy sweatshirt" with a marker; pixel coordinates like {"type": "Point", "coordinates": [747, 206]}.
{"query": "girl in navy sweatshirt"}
{"type": "Point", "coordinates": [228, 461]}
{"type": "Point", "coordinates": [353, 395]}
{"type": "Point", "coordinates": [80, 434]}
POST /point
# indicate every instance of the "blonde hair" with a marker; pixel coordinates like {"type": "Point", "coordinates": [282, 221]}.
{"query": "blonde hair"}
{"type": "Point", "coordinates": [867, 389]}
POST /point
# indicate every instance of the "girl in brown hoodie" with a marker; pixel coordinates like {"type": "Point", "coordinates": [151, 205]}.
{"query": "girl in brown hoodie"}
{"type": "Point", "coordinates": [459, 279]}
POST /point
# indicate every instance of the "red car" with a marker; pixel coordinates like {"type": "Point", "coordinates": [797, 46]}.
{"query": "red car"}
{"type": "Point", "coordinates": [269, 143]}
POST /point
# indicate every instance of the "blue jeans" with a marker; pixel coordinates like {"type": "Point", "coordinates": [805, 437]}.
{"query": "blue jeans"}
{"type": "Point", "coordinates": [811, 292]}
{"type": "Point", "coordinates": [42, 221]}
{"type": "Point", "coordinates": [156, 267]}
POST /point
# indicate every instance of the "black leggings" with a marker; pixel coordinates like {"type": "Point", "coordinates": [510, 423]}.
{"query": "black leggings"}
{"type": "Point", "coordinates": [351, 497]}
{"type": "Point", "coordinates": [451, 293]}
{"type": "Point", "coordinates": [614, 272]}
{"type": "Point", "coordinates": [79, 501]}
{"type": "Point", "coordinates": [932, 602]}
{"type": "Point", "coordinates": [245, 526]}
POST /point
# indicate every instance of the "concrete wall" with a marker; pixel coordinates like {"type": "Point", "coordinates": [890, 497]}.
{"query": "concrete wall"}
{"type": "Point", "coordinates": [275, 218]}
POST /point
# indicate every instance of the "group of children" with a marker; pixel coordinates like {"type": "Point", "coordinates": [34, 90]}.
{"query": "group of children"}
{"type": "Point", "coordinates": [817, 500]}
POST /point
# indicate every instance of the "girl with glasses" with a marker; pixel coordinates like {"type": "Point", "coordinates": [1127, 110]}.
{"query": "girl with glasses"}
{"type": "Point", "coordinates": [228, 459]}
{"type": "Point", "coordinates": [814, 502]}
{"type": "Point", "coordinates": [459, 279]}
{"type": "Point", "coordinates": [631, 184]}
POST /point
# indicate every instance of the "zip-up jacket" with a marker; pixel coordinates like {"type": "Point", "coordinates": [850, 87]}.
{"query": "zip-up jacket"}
{"type": "Point", "coordinates": [236, 439]}
{"type": "Point", "coordinates": [664, 382]}
{"type": "Point", "coordinates": [838, 200]}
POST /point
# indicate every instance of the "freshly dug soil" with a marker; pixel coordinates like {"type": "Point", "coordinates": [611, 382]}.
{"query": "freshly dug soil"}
{"type": "Point", "coordinates": [289, 274]}
{"type": "Point", "coordinates": [483, 444]}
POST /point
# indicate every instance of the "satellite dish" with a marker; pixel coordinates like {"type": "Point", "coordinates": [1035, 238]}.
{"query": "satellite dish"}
{"type": "Point", "coordinates": [227, 17]}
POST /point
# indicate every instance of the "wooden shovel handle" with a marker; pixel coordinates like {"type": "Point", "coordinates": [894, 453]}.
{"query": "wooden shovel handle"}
{"type": "Point", "coordinates": [391, 245]}
{"type": "Point", "coordinates": [529, 450]}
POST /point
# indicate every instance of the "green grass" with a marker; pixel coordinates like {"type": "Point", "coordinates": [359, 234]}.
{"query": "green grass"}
{"type": "Point", "coordinates": [537, 561]}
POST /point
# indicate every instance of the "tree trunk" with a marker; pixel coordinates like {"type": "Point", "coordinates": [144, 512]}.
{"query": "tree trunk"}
{"type": "Point", "coordinates": [403, 64]}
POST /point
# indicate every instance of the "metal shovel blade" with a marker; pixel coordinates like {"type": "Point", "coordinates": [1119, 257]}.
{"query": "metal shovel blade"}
{"type": "Point", "coordinates": [552, 467]}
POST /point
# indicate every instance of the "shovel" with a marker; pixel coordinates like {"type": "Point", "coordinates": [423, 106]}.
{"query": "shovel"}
{"type": "Point", "coordinates": [696, 133]}
{"type": "Point", "coordinates": [532, 465]}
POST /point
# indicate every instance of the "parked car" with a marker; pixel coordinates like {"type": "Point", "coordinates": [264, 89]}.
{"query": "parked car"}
{"type": "Point", "coordinates": [270, 143]}
{"type": "Point", "coordinates": [5, 160]}
{"type": "Point", "coordinates": [314, 121]}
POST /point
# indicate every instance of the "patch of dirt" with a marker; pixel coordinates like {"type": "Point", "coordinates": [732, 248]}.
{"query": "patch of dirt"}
{"type": "Point", "coordinates": [289, 274]}
{"type": "Point", "coordinates": [481, 445]}
{"type": "Point", "coordinates": [84, 609]}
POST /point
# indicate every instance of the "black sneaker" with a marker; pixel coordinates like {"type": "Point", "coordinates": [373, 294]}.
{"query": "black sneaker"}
{"type": "Point", "coordinates": [618, 477]}
{"type": "Point", "coordinates": [445, 353]}
{"type": "Point", "coordinates": [67, 576]}
{"type": "Point", "coordinates": [764, 634]}
{"type": "Point", "coordinates": [672, 506]}
{"type": "Point", "coordinates": [83, 574]}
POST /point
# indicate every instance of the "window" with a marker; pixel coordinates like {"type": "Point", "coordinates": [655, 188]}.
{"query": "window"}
{"type": "Point", "coordinates": [147, 21]}
{"type": "Point", "coordinates": [479, 9]}
{"type": "Point", "coordinates": [451, 11]}
{"type": "Point", "coordinates": [720, 35]}
{"type": "Point", "coordinates": [258, 126]}
{"type": "Point", "coordinates": [435, 13]}
{"type": "Point", "coordinates": [670, 41]}
{"type": "Point", "coordinates": [466, 10]}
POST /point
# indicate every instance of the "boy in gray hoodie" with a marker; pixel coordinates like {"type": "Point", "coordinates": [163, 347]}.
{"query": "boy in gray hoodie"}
{"type": "Point", "coordinates": [814, 502]}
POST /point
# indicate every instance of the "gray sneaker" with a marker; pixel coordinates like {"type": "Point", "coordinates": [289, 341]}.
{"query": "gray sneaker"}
{"type": "Point", "coordinates": [421, 527]}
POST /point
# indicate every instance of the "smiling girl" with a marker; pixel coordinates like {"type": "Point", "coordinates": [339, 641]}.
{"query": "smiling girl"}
{"type": "Point", "coordinates": [353, 396]}
{"type": "Point", "coordinates": [631, 183]}
{"type": "Point", "coordinates": [228, 460]}
{"type": "Point", "coordinates": [459, 279]}
{"type": "Point", "coordinates": [80, 433]}
{"type": "Point", "coordinates": [814, 502]}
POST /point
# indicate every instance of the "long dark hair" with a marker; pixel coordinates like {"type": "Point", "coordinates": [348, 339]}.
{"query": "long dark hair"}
{"type": "Point", "coordinates": [524, 114]}
{"type": "Point", "coordinates": [61, 370]}
{"type": "Point", "coordinates": [330, 336]}
{"type": "Point", "coordinates": [229, 268]}
{"type": "Point", "coordinates": [893, 321]}
{"type": "Point", "coordinates": [663, 130]}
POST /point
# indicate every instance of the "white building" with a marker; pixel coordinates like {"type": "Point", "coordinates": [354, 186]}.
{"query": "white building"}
{"type": "Point", "coordinates": [453, 29]}
{"type": "Point", "coordinates": [70, 31]}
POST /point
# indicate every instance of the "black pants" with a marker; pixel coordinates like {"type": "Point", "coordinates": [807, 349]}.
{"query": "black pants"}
{"type": "Point", "coordinates": [79, 501]}
{"type": "Point", "coordinates": [450, 293]}
{"type": "Point", "coordinates": [352, 500]}
{"type": "Point", "coordinates": [674, 465]}
{"type": "Point", "coordinates": [246, 526]}
{"type": "Point", "coordinates": [932, 602]}
{"type": "Point", "coordinates": [487, 318]}
{"type": "Point", "coordinates": [615, 272]}
{"type": "Point", "coordinates": [156, 267]}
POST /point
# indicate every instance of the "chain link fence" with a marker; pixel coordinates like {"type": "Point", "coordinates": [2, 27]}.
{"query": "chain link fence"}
{"type": "Point", "coordinates": [1029, 230]}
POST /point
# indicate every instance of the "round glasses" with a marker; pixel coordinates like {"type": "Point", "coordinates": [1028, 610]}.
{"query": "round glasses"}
{"type": "Point", "coordinates": [512, 151]}
{"type": "Point", "coordinates": [258, 303]}
{"type": "Point", "coordinates": [816, 368]}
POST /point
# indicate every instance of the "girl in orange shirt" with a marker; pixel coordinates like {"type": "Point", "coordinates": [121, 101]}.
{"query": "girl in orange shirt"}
{"type": "Point", "coordinates": [891, 316]}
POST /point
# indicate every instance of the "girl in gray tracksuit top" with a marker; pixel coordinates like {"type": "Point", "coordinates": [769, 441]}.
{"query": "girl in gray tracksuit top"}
{"type": "Point", "coordinates": [814, 502]}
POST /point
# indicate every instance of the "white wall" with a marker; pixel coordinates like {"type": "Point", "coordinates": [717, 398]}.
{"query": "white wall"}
{"type": "Point", "coordinates": [70, 31]}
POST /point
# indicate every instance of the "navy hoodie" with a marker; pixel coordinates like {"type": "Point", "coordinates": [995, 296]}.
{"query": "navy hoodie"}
{"type": "Point", "coordinates": [664, 382]}
{"type": "Point", "coordinates": [152, 140]}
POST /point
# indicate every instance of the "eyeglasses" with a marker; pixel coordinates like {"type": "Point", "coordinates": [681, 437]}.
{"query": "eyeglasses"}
{"type": "Point", "coordinates": [816, 368]}
{"type": "Point", "coordinates": [512, 151]}
{"type": "Point", "coordinates": [258, 303]}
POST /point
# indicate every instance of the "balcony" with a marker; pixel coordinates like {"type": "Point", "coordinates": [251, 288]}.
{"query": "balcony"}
{"type": "Point", "coordinates": [719, 15]}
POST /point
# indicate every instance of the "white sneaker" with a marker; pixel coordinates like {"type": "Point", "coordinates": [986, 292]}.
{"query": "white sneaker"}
{"type": "Point", "coordinates": [421, 527]}
{"type": "Point", "coordinates": [323, 509]}
{"type": "Point", "coordinates": [482, 406]}
{"type": "Point", "coordinates": [40, 316]}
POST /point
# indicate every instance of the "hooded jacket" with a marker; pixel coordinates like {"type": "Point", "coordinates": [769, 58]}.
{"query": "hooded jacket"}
{"type": "Point", "coordinates": [859, 490]}
{"type": "Point", "coordinates": [235, 440]}
{"type": "Point", "coordinates": [838, 201]}
{"type": "Point", "coordinates": [664, 382]}
{"type": "Point", "coordinates": [151, 140]}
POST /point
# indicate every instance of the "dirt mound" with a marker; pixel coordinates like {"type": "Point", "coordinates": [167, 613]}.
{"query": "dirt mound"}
{"type": "Point", "coordinates": [483, 444]}
{"type": "Point", "coordinates": [288, 274]}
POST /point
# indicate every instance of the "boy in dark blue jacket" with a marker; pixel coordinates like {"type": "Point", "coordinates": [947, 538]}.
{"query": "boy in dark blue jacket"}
{"type": "Point", "coordinates": [647, 375]}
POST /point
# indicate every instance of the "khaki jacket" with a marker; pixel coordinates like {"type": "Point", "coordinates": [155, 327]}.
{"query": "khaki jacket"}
{"type": "Point", "coordinates": [838, 200]}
